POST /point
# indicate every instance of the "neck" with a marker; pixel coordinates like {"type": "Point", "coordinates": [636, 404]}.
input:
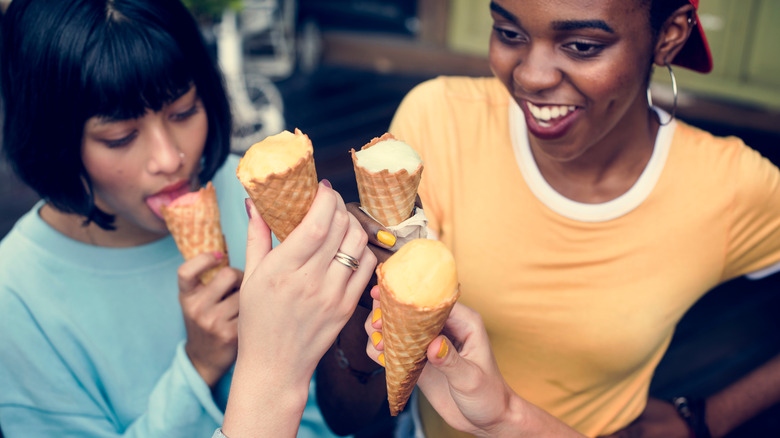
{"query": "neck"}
{"type": "Point", "coordinates": [608, 168]}
{"type": "Point", "coordinates": [76, 227]}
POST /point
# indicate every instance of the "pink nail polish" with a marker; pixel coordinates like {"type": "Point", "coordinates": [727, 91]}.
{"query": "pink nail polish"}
{"type": "Point", "coordinates": [218, 255]}
{"type": "Point", "coordinates": [326, 183]}
{"type": "Point", "coordinates": [248, 207]}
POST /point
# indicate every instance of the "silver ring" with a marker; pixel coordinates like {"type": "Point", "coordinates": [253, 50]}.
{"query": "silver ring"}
{"type": "Point", "coordinates": [347, 260]}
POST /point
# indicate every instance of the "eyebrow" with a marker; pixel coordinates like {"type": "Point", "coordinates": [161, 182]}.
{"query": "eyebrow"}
{"type": "Point", "coordinates": [582, 24]}
{"type": "Point", "coordinates": [557, 25]}
{"type": "Point", "coordinates": [502, 12]}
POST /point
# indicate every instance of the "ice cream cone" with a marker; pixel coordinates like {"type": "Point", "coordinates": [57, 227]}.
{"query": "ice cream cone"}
{"type": "Point", "coordinates": [193, 221]}
{"type": "Point", "coordinates": [407, 327]}
{"type": "Point", "coordinates": [279, 175]}
{"type": "Point", "coordinates": [387, 196]}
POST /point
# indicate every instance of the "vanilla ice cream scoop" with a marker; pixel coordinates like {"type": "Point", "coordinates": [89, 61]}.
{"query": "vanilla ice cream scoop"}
{"type": "Point", "coordinates": [388, 172]}
{"type": "Point", "coordinates": [391, 155]}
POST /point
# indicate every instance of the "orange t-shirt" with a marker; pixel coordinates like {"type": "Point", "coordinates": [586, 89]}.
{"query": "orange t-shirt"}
{"type": "Point", "coordinates": [581, 300]}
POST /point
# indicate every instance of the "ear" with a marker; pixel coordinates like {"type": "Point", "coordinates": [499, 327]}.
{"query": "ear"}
{"type": "Point", "coordinates": [673, 34]}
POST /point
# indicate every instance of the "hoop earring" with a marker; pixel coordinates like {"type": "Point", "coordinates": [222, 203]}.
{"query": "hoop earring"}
{"type": "Point", "coordinates": [674, 92]}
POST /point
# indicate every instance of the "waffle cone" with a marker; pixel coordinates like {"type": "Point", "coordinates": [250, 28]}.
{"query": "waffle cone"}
{"type": "Point", "coordinates": [196, 229]}
{"type": "Point", "coordinates": [284, 198]}
{"type": "Point", "coordinates": [388, 197]}
{"type": "Point", "coordinates": [407, 330]}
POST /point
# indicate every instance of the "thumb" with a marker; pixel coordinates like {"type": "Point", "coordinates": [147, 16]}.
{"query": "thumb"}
{"type": "Point", "coordinates": [258, 239]}
{"type": "Point", "coordinates": [459, 372]}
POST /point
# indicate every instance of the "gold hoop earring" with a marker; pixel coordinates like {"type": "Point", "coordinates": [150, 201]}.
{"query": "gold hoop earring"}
{"type": "Point", "coordinates": [674, 92]}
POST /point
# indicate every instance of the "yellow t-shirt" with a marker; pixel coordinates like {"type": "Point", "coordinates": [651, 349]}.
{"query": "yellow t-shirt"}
{"type": "Point", "coordinates": [581, 300]}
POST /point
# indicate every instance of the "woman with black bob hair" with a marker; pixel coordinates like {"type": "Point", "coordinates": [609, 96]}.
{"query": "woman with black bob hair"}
{"type": "Point", "coordinates": [114, 108]}
{"type": "Point", "coordinates": [93, 55]}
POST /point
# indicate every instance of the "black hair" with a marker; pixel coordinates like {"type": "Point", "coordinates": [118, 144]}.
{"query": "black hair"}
{"type": "Point", "coordinates": [660, 11]}
{"type": "Point", "coordinates": [65, 61]}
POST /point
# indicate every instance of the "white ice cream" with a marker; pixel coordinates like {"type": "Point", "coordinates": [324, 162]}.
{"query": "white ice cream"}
{"type": "Point", "coordinates": [390, 155]}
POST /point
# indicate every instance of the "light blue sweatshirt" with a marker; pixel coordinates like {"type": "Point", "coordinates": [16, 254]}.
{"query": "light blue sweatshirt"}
{"type": "Point", "coordinates": [92, 338]}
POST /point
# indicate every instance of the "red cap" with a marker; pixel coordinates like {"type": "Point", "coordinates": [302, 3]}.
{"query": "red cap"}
{"type": "Point", "coordinates": [695, 54]}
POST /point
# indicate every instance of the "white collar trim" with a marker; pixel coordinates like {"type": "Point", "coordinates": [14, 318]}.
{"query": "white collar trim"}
{"type": "Point", "coordinates": [579, 211]}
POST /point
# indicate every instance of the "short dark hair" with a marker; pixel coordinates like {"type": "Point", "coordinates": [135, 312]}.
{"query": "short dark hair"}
{"type": "Point", "coordinates": [65, 61]}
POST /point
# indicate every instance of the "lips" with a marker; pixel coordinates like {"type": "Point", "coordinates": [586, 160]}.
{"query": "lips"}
{"type": "Point", "coordinates": [167, 195]}
{"type": "Point", "coordinates": [549, 121]}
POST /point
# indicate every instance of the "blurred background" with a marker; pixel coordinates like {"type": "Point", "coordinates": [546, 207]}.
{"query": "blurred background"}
{"type": "Point", "coordinates": [337, 69]}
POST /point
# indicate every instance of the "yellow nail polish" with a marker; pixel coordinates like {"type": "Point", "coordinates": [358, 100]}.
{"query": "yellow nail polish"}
{"type": "Point", "coordinates": [381, 359]}
{"type": "Point", "coordinates": [442, 350]}
{"type": "Point", "coordinates": [385, 238]}
{"type": "Point", "coordinates": [377, 315]}
{"type": "Point", "coordinates": [376, 338]}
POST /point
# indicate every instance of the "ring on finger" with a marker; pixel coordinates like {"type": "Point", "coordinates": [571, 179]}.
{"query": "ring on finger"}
{"type": "Point", "coordinates": [347, 260]}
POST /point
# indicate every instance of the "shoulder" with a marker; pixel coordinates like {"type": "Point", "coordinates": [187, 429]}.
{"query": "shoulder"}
{"type": "Point", "coordinates": [461, 88]}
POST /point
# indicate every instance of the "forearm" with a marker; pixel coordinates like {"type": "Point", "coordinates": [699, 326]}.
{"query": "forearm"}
{"type": "Point", "coordinates": [262, 404]}
{"type": "Point", "coordinates": [348, 401]}
{"type": "Point", "coordinates": [526, 420]}
{"type": "Point", "coordinates": [744, 399]}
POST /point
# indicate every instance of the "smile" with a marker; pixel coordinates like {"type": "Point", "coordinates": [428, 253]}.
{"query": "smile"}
{"type": "Point", "coordinates": [546, 115]}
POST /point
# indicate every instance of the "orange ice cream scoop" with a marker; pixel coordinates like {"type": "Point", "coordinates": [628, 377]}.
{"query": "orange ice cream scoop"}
{"type": "Point", "coordinates": [279, 175]}
{"type": "Point", "coordinates": [193, 220]}
{"type": "Point", "coordinates": [418, 285]}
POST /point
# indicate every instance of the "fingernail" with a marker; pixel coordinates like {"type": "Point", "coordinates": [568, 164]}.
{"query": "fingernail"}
{"type": "Point", "coordinates": [248, 207]}
{"type": "Point", "coordinates": [442, 349]}
{"type": "Point", "coordinates": [376, 338]}
{"type": "Point", "coordinates": [385, 238]}
{"type": "Point", "coordinates": [377, 315]}
{"type": "Point", "coordinates": [218, 255]}
{"type": "Point", "coordinates": [381, 359]}
{"type": "Point", "coordinates": [326, 183]}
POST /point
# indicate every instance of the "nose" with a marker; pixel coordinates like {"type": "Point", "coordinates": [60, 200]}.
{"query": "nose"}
{"type": "Point", "coordinates": [163, 151]}
{"type": "Point", "coordinates": [537, 71]}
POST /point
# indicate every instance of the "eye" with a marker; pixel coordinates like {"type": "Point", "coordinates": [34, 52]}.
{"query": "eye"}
{"type": "Point", "coordinates": [584, 49]}
{"type": "Point", "coordinates": [120, 142]}
{"type": "Point", "coordinates": [507, 35]}
{"type": "Point", "coordinates": [186, 114]}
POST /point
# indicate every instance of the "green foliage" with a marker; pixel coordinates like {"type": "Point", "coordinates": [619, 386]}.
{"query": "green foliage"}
{"type": "Point", "coordinates": [210, 9]}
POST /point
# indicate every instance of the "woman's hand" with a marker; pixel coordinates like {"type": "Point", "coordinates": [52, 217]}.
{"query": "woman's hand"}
{"type": "Point", "coordinates": [298, 294]}
{"type": "Point", "coordinates": [210, 315]}
{"type": "Point", "coordinates": [464, 385]}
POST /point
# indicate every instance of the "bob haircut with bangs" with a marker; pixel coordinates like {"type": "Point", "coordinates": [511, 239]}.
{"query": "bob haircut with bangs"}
{"type": "Point", "coordinates": [65, 61]}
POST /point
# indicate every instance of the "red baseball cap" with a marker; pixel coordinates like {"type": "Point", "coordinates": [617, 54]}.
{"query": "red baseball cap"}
{"type": "Point", "coordinates": [695, 54]}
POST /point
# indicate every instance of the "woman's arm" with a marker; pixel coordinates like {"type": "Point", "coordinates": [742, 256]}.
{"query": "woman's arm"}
{"type": "Point", "coordinates": [293, 302]}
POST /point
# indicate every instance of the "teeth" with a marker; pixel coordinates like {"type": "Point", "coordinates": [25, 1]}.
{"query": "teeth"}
{"type": "Point", "coordinates": [547, 113]}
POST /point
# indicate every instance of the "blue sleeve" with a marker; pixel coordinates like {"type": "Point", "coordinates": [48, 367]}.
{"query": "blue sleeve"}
{"type": "Point", "coordinates": [52, 390]}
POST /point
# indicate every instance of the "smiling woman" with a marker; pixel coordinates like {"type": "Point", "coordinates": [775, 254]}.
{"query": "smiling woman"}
{"type": "Point", "coordinates": [582, 227]}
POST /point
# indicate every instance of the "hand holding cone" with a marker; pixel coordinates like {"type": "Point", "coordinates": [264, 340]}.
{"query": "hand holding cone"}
{"type": "Point", "coordinates": [388, 189]}
{"type": "Point", "coordinates": [418, 286]}
{"type": "Point", "coordinates": [193, 220]}
{"type": "Point", "coordinates": [279, 175]}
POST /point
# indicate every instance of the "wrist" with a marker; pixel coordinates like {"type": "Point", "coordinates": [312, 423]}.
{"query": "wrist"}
{"type": "Point", "coordinates": [694, 412]}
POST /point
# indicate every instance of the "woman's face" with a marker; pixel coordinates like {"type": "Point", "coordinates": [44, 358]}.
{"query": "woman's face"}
{"type": "Point", "coordinates": [137, 165]}
{"type": "Point", "coordinates": [577, 68]}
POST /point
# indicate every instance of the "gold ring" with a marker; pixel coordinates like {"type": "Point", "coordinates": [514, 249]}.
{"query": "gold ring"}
{"type": "Point", "coordinates": [347, 260]}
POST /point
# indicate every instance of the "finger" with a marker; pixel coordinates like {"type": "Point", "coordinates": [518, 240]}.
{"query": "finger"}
{"type": "Point", "coordinates": [353, 244]}
{"type": "Point", "coordinates": [189, 271]}
{"type": "Point", "coordinates": [377, 233]}
{"type": "Point", "coordinates": [459, 372]}
{"type": "Point", "coordinates": [357, 282]}
{"type": "Point", "coordinates": [313, 231]}
{"type": "Point", "coordinates": [258, 239]}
